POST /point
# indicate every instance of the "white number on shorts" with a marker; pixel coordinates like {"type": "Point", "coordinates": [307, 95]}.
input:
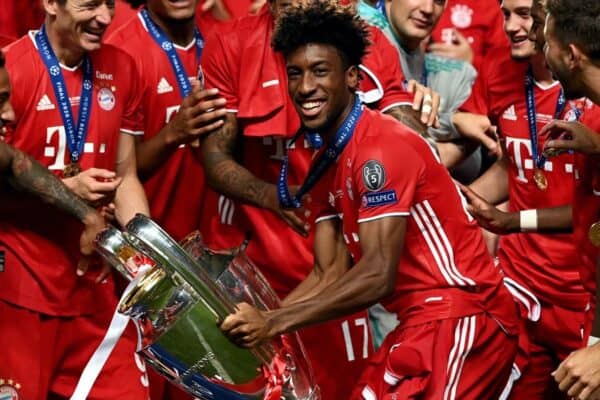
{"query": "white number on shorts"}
{"type": "Point", "coordinates": [348, 338]}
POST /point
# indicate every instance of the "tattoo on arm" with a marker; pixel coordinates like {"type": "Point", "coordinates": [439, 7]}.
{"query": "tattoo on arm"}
{"type": "Point", "coordinates": [224, 173]}
{"type": "Point", "coordinates": [29, 175]}
{"type": "Point", "coordinates": [408, 117]}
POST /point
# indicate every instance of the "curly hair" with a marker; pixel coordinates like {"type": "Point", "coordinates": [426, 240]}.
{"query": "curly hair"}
{"type": "Point", "coordinates": [577, 22]}
{"type": "Point", "coordinates": [324, 22]}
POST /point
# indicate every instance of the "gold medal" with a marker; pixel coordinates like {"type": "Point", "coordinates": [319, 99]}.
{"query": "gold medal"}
{"type": "Point", "coordinates": [540, 179]}
{"type": "Point", "coordinates": [71, 170]}
{"type": "Point", "coordinates": [594, 234]}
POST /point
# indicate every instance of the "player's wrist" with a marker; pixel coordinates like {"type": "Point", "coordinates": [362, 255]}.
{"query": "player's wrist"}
{"type": "Point", "coordinates": [528, 220]}
{"type": "Point", "coordinates": [513, 222]}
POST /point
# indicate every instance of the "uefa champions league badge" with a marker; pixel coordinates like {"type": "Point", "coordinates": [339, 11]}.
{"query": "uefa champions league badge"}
{"type": "Point", "coordinates": [106, 100]}
{"type": "Point", "coordinates": [9, 389]}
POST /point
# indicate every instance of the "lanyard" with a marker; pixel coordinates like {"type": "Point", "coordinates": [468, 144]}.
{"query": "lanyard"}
{"type": "Point", "coordinates": [75, 134]}
{"type": "Point", "coordinates": [532, 119]}
{"type": "Point", "coordinates": [167, 45]}
{"type": "Point", "coordinates": [328, 157]}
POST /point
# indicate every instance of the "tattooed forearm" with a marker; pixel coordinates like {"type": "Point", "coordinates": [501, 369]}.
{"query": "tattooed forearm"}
{"type": "Point", "coordinates": [26, 174]}
{"type": "Point", "coordinates": [408, 117]}
{"type": "Point", "coordinates": [224, 173]}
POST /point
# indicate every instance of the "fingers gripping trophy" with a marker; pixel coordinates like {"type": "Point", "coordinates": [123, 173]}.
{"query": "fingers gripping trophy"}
{"type": "Point", "coordinates": [177, 296]}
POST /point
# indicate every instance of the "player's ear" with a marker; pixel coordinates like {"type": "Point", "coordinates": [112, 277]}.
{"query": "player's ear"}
{"type": "Point", "coordinates": [352, 77]}
{"type": "Point", "coordinates": [51, 6]}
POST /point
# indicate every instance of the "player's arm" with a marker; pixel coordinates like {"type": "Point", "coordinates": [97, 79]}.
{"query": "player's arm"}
{"type": "Point", "coordinates": [130, 198]}
{"type": "Point", "coordinates": [332, 260]}
{"type": "Point", "coordinates": [26, 174]}
{"type": "Point", "coordinates": [227, 176]}
{"type": "Point", "coordinates": [541, 220]}
{"type": "Point", "coordinates": [200, 113]}
{"type": "Point", "coordinates": [371, 279]}
{"type": "Point", "coordinates": [493, 184]}
{"type": "Point", "coordinates": [409, 117]}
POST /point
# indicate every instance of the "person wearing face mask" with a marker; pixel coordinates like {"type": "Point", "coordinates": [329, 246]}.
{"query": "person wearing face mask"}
{"type": "Point", "coordinates": [75, 102]}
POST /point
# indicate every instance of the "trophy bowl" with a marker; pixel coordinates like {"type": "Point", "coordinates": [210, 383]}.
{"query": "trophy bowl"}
{"type": "Point", "coordinates": [178, 294]}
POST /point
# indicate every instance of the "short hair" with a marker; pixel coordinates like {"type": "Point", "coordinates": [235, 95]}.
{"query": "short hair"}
{"type": "Point", "coordinates": [135, 3]}
{"type": "Point", "coordinates": [324, 22]}
{"type": "Point", "coordinates": [2, 59]}
{"type": "Point", "coordinates": [577, 22]}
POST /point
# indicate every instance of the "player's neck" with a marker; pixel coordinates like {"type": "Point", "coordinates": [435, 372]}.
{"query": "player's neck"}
{"type": "Point", "coordinates": [181, 32]}
{"type": "Point", "coordinates": [66, 52]}
{"type": "Point", "coordinates": [541, 73]}
{"type": "Point", "coordinates": [592, 81]}
{"type": "Point", "coordinates": [330, 132]}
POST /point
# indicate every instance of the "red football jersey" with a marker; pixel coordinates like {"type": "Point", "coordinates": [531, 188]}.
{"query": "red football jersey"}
{"type": "Point", "coordinates": [542, 262]}
{"type": "Point", "coordinates": [586, 204]}
{"type": "Point", "coordinates": [18, 17]}
{"type": "Point", "coordinates": [253, 80]}
{"type": "Point", "coordinates": [123, 14]}
{"type": "Point", "coordinates": [46, 241]}
{"type": "Point", "coordinates": [480, 21]}
{"type": "Point", "coordinates": [443, 246]}
{"type": "Point", "coordinates": [175, 192]}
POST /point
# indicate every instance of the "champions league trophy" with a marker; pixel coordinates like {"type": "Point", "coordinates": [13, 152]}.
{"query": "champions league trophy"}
{"type": "Point", "coordinates": [177, 294]}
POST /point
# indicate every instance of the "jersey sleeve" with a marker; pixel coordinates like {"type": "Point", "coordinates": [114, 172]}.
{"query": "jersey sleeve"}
{"type": "Point", "coordinates": [383, 79]}
{"type": "Point", "coordinates": [218, 63]}
{"type": "Point", "coordinates": [386, 176]}
{"type": "Point", "coordinates": [132, 121]}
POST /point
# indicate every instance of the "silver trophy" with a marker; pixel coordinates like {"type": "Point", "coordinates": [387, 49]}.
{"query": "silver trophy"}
{"type": "Point", "coordinates": [178, 294]}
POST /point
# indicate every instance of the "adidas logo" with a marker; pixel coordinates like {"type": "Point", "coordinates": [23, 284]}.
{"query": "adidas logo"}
{"type": "Point", "coordinates": [510, 113]}
{"type": "Point", "coordinates": [163, 86]}
{"type": "Point", "coordinates": [45, 104]}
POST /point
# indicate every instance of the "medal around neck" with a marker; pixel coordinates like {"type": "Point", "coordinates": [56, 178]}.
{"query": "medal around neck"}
{"type": "Point", "coordinates": [178, 294]}
{"type": "Point", "coordinates": [71, 170]}
{"type": "Point", "coordinates": [594, 234]}
{"type": "Point", "coordinates": [540, 179]}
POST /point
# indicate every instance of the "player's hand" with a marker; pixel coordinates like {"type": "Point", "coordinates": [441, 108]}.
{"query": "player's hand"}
{"type": "Point", "coordinates": [425, 100]}
{"type": "Point", "coordinates": [93, 224]}
{"type": "Point", "coordinates": [295, 218]}
{"type": "Point", "coordinates": [478, 128]}
{"type": "Point", "coordinates": [458, 49]}
{"type": "Point", "coordinates": [256, 6]}
{"type": "Point", "coordinates": [201, 113]}
{"type": "Point", "coordinates": [579, 374]}
{"type": "Point", "coordinates": [97, 186]}
{"type": "Point", "coordinates": [247, 327]}
{"type": "Point", "coordinates": [217, 8]}
{"type": "Point", "coordinates": [488, 216]}
{"type": "Point", "coordinates": [564, 135]}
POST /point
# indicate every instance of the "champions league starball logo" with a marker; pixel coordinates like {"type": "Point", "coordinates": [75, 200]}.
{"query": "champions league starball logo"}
{"type": "Point", "coordinates": [87, 84]}
{"type": "Point", "coordinates": [54, 70]}
{"type": "Point", "coordinates": [9, 389]}
{"type": "Point", "coordinates": [167, 46]}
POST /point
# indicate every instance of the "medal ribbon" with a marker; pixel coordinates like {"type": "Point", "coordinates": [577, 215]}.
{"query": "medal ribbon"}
{"type": "Point", "coordinates": [539, 159]}
{"type": "Point", "coordinates": [168, 47]}
{"type": "Point", "coordinates": [335, 148]}
{"type": "Point", "coordinates": [75, 134]}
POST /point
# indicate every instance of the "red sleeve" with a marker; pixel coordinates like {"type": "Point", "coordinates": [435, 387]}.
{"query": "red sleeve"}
{"type": "Point", "coordinates": [383, 79]}
{"type": "Point", "coordinates": [386, 177]}
{"type": "Point", "coordinates": [132, 121]}
{"type": "Point", "coordinates": [219, 64]}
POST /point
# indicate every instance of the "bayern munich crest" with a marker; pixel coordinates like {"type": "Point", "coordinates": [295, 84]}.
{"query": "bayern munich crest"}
{"type": "Point", "coordinates": [9, 389]}
{"type": "Point", "coordinates": [461, 16]}
{"type": "Point", "coordinates": [106, 100]}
